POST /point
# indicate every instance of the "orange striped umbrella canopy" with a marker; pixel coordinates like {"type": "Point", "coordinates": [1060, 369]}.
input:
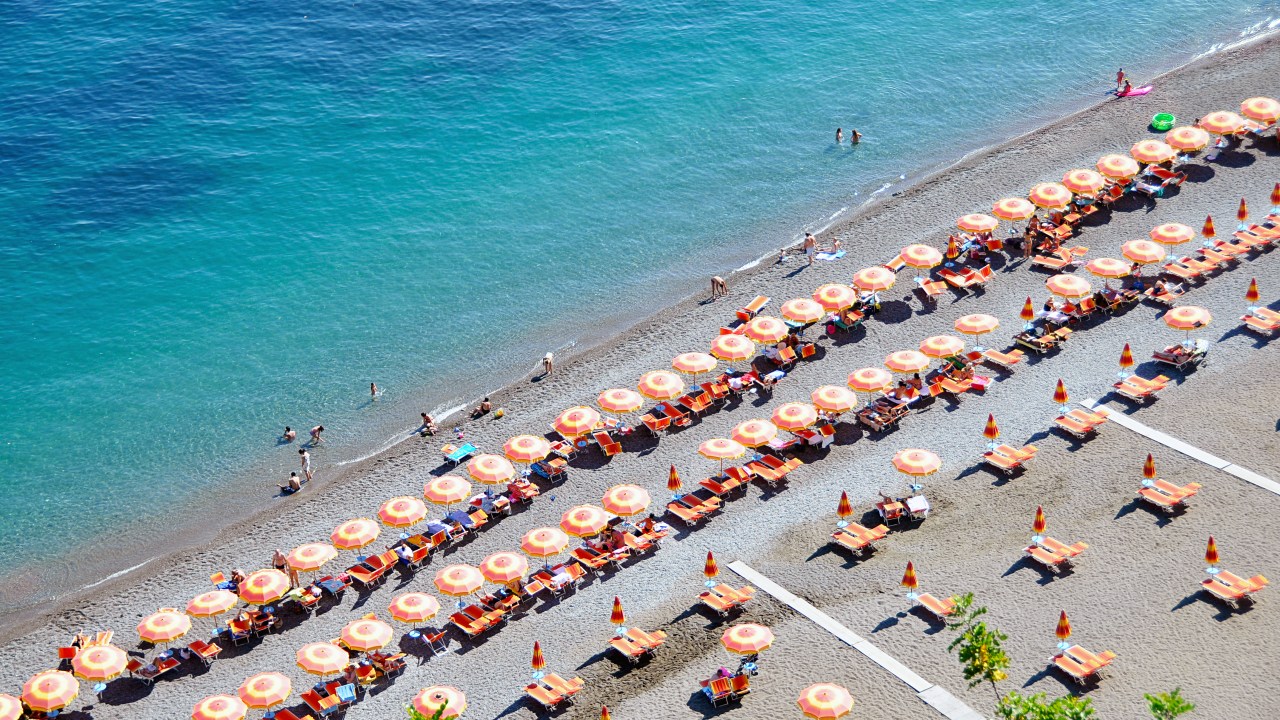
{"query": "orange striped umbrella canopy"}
{"type": "Point", "coordinates": [214, 602]}
{"type": "Point", "coordinates": [1275, 194]}
{"type": "Point", "coordinates": [529, 448]}
{"type": "Point", "coordinates": [869, 380]}
{"type": "Point", "coordinates": [577, 421]}
{"type": "Point", "coordinates": [710, 569]}
{"type": "Point", "coordinates": [802, 310]}
{"type": "Point", "coordinates": [907, 361]}
{"type": "Point", "coordinates": [413, 607]}
{"type": "Point", "coordinates": [977, 223]}
{"type": "Point", "coordinates": [625, 500]}
{"type": "Point", "coordinates": [765, 329]}
{"type": "Point", "coordinates": [1152, 151]}
{"type": "Point", "coordinates": [99, 663]}
{"type": "Point", "coordinates": [311, 556]}
{"type": "Point", "coordinates": [1068, 286]}
{"type": "Point", "coordinates": [1063, 630]}
{"type": "Point", "coordinates": [825, 701]}
{"type": "Point", "coordinates": [660, 385]}
{"type": "Point", "coordinates": [721, 449]}
{"type": "Point", "coordinates": [265, 690]}
{"type": "Point", "coordinates": [50, 690]}
{"type": "Point", "coordinates": [584, 520]}
{"type": "Point", "coordinates": [1143, 251]}
{"type": "Point", "coordinates": [620, 400]}
{"type": "Point", "coordinates": [458, 580]}
{"type": "Point", "coordinates": [1222, 122]}
{"type": "Point", "coordinates": [991, 431]}
{"type": "Point", "coordinates": [693, 363]}
{"type": "Point", "coordinates": [322, 658]}
{"type": "Point", "coordinates": [914, 461]}
{"type": "Point", "coordinates": [537, 662]}
{"type": "Point", "coordinates": [1119, 167]}
{"type": "Point", "coordinates": [447, 490]}
{"type": "Point", "coordinates": [1207, 229]}
{"type": "Point", "coordinates": [1039, 524]}
{"type": "Point", "coordinates": [263, 587]}
{"type": "Point", "coordinates": [617, 617]}
{"type": "Point", "coordinates": [1187, 317]}
{"type": "Point", "coordinates": [1263, 109]}
{"type": "Point", "coordinates": [746, 639]}
{"type": "Point", "coordinates": [1210, 557]}
{"type": "Point", "coordinates": [1149, 468]}
{"type": "Point", "coordinates": [953, 250]}
{"type": "Point", "coordinates": [1252, 295]}
{"type": "Point", "coordinates": [168, 625]}
{"type": "Point", "coordinates": [976, 324]}
{"type": "Point", "coordinates": [504, 567]}
{"type": "Point", "coordinates": [909, 580]}
{"type": "Point", "coordinates": [366, 634]}
{"type": "Point", "coordinates": [10, 707]}
{"type": "Point", "coordinates": [1083, 181]}
{"type": "Point", "coordinates": [604, 713]}
{"type": "Point", "coordinates": [1187, 138]}
{"type": "Point", "coordinates": [429, 701]}
{"type": "Point", "coordinates": [544, 542]}
{"type": "Point", "coordinates": [941, 346]}
{"type": "Point", "coordinates": [491, 469]}
{"type": "Point", "coordinates": [754, 432]}
{"type": "Point", "coordinates": [1028, 312]}
{"type": "Point", "coordinates": [1050, 195]}
{"type": "Point", "coordinates": [1126, 358]}
{"type": "Point", "coordinates": [1108, 267]}
{"type": "Point", "coordinates": [794, 416]}
{"type": "Point", "coordinates": [921, 257]}
{"type": "Point", "coordinates": [732, 348]}
{"type": "Point", "coordinates": [1242, 213]}
{"type": "Point", "coordinates": [874, 279]}
{"type": "Point", "coordinates": [834, 399]}
{"type": "Point", "coordinates": [844, 508]}
{"type": "Point", "coordinates": [1172, 234]}
{"type": "Point", "coordinates": [1013, 209]}
{"type": "Point", "coordinates": [354, 534]}
{"type": "Point", "coordinates": [1060, 393]}
{"type": "Point", "coordinates": [834, 296]}
{"type": "Point", "coordinates": [673, 479]}
{"type": "Point", "coordinates": [405, 511]}
{"type": "Point", "coordinates": [219, 707]}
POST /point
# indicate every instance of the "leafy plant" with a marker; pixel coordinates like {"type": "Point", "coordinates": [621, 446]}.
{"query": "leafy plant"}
{"type": "Point", "coordinates": [1169, 705]}
{"type": "Point", "coordinates": [439, 714]}
{"type": "Point", "coordinates": [980, 649]}
{"type": "Point", "coordinates": [1033, 707]}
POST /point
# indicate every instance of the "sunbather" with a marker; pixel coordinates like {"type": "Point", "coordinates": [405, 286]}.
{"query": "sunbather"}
{"type": "Point", "coordinates": [482, 409]}
{"type": "Point", "coordinates": [293, 486]}
{"type": "Point", "coordinates": [428, 426]}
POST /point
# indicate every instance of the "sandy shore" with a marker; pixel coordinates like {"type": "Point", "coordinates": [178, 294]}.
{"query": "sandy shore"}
{"type": "Point", "coordinates": [1133, 591]}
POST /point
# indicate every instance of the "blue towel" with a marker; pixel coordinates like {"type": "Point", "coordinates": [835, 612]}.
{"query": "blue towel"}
{"type": "Point", "coordinates": [829, 256]}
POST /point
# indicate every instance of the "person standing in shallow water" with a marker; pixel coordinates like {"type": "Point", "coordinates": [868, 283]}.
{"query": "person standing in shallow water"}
{"type": "Point", "coordinates": [1120, 80]}
{"type": "Point", "coordinates": [305, 458]}
{"type": "Point", "coordinates": [839, 136]}
{"type": "Point", "coordinates": [855, 137]}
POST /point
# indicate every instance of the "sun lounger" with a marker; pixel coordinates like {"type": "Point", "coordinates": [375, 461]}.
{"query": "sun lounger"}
{"type": "Point", "coordinates": [286, 714]}
{"type": "Point", "coordinates": [1167, 496]}
{"type": "Point", "coordinates": [1008, 459]}
{"type": "Point", "coordinates": [718, 690]}
{"type": "Point", "coordinates": [930, 289]}
{"type": "Point", "coordinates": [1060, 548]}
{"type": "Point", "coordinates": [1172, 292]}
{"type": "Point", "coordinates": [320, 704]}
{"type": "Point", "coordinates": [149, 672]}
{"type": "Point", "coordinates": [1233, 589]}
{"type": "Point", "coordinates": [1260, 325]}
{"type": "Point", "coordinates": [606, 443]}
{"type": "Point", "coordinates": [546, 697]}
{"type": "Point", "coordinates": [753, 308]}
{"type": "Point", "coordinates": [857, 538]}
{"type": "Point", "coordinates": [1058, 260]}
{"type": "Point", "coordinates": [1081, 423]}
{"type": "Point", "coordinates": [1005, 360]}
{"type": "Point", "coordinates": [656, 425]}
{"type": "Point", "coordinates": [1047, 558]}
{"type": "Point", "coordinates": [454, 454]}
{"type": "Point", "coordinates": [941, 609]}
{"type": "Point", "coordinates": [1140, 389]}
{"type": "Point", "coordinates": [687, 515]}
{"type": "Point", "coordinates": [1181, 357]}
{"type": "Point", "coordinates": [206, 652]}
{"type": "Point", "coordinates": [651, 640]}
{"type": "Point", "coordinates": [1081, 664]}
{"type": "Point", "coordinates": [1181, 271]}
{"type": "Point", "coordinates": [628, 648]}
{"type": "Point", "coordinates": [724, 599]}
{"type": "Point", "coordinates": [896, 264]}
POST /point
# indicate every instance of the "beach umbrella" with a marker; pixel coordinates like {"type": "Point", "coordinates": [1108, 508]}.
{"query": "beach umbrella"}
{"type": "Point", "coordinates": [1152, 152]}
{"type": "Point", "coordinates": [579, 420]}
{"type": "Point", "coordinates": [1207, 229]}
{"type": "Point", "coordinates": [834, 399]}
{"type": "Point", "coordinates": [732, 348]}
{"type": "Point", "coordinates": [1063, 630]}
{"type": "Point", "coordinates": [673, 479]}
{"type": "Point", "coordinates": [874, 279]}
{"type": "Point", "coordinates": [917, 462]}
{"type": "Point", "coordinates": [1143, 252]}
{"type": "Point", "coordinates": [530, 448]}
{"type": "Point", "coordinates": [504, 567]}
{"type": "Point", "coordinates": [406, 511]}
{"type": "Point", "coordinates": [907, 361]}
{"type": "Point", "coordinates": [803, 311]}
{"type": "Point", "coordinates": [1242, 214]}
{"type": "Point", "coordinates": [869, 380]}
{"type": "Point", "coordinates": [765, 329]}
{"type": "Point", "coordinates": [169, 625]}
{"type": "Point", "coordinates": [1118, 167]}
{"type": "Point", "coordinates": [429, 701]}
{"type": "Point", "coordinates": [1275, 198]}
{"type": "Point", "coordinates": [942, 346]}
{"type": "Point", "coordinates": [844, 509]}
{"type": "Point", "coordinates": [263, 587]}
{"type": "Point", "coordinates": [620, 400]}
{"type": "Point", "coordinates": [322, 658]}
{"type": "Point", "coordinates": [991, 431]}
{"type": "Point", "coordinates": [50, 690]}
{"type": "Point", "coordinates": [604, 713]}
{"type": "Point", "coordinates": [909, 580]}
{"type": "Point", "coordinates": [1039, 524]}
{"type": "Point", "coordinates": [447, 490]}
{"type": "Point", "coordinates": [794, 416]}
{"type": "Point", "coordinates": [354, 534]}
{"type": "Point", "coordinates": [311, 556]}
{"type": "Point", "coordinates": [693, 363]}
{"type": "Point", "coordinates": [459, 580]}
{"type": "Point", "coordinates": [214, 602]}
{"type": "Point", "coordinates": [537, 662]}
{"type": "Point", "coordinates": [1106, 267]}
{"type": "Point", "coordinates": [625, 500]}
{"type": "Point", "coordinates": [1252, 296]}
{"type": "Point", "coordinates": [1068, 286]}
{"type": "Point", "coordinates": [265, 690]}
{"type": "Point", "coordinates": [1028, 312]}
{"type": "Point", "coordinates": [1210, 557]}
{"type": "Point", "coordinates": [584, 520]}
{"type": "Point", "coordinates": [366, 634]}
{"type": "Point", "coordinates": [754, 432]}
{"type": "Point", "coordinates": [1013, 209]}
{"type": "Point", "coordinates": [1187, 317]}
{"type": "Point", "coordinates": [1187, 138]}
{"type": "Point", "coordinates": [1222, 122]}
{"type": "Point", "coordinates": [921, 257]}
{"type": "Point", "coordinates": [835, 297]}
{"type": "Point", "coordinates": [99, 663]}
{"type": "Point", "coordinates": [746, 639]}
{"type": "Point", "coordinates": [413, 607]}
{"type": "Point", "coordinates": [1263, 109]}
{"type": "Point", "coordinates": [1172, 234]}
{"type": "Point", "coordinates": [976, 324]}
{"type": "Point", "coordinates": [1083, 182]}
{"type": "Point", "coordinates": [1126, 360]}
{"type": "Point", "coordinates": [1060, 395]}
{"type": "Point", "coordinates": [617, 617]}
{"type": "Point", "coordinates": [977, 223]}
{"type": "Point", "coordinates": [219, 707]}
{"type": "Point", "coordinates": [544, 542]}
{"type": "Point", "coordinates": [10, 707]}
{"type": "Point", "coordinates": [710, 569]}
{"type": "Point", "coordinates": [661, 385]}
{"type": "Point", "coordinates": [721, 449]}
{"type": "Point", "coordinates": [1149, 468]}
{"type": "Point", "coordinates": [953, 250]}
{"type": "Point", "coordinates": [1050, 195]}
{"type": "Point", "coordinates": [491, 469]}
{"type": "Point", "coordinates": [825, 701]}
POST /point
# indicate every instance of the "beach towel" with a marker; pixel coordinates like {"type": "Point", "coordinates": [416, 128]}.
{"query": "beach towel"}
{"type": "Point", "coordinates": [830, 256]}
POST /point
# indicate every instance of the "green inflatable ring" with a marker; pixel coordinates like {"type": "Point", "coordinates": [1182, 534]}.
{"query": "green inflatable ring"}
{"type": "Point", "coordinates": [1163, 121]}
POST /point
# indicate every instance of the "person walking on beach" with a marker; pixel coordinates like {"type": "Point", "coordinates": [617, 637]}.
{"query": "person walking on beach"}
{"type": "Point", "coordinates": [1120, 80]}
{"type": "Point", "coordinates": [315, 435]}
{"type": "Point", "coordinates": [839, 136]}
{"type": "Point", "coordinates": [305, 457]}
{"type": "Point", "coordinates": [289, 434]}
{"type": "Point", "coordinates": [719, 287]}
{"type": "Point", "coordinates": [548, 363]}
{"type": "Point", "coordinates": [810, 246]}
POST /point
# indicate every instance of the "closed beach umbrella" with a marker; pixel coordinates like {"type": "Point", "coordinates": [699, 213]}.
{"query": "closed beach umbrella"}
{"type": "Point", "coordinates": [874, 279]}
{"type": "Point", "coordinates": [1172, 234]}
{"type": "Point", "coordinates": [746, 639]}
{"type": "Point", "coordinates": [1108, 267]}
{"type": "Point", "coordinates": [99, 663]}
{"type": "Point", "coordinates": [219, 707]}
{"type": "Point", "coordinates": [917, 462]}
{"type": "Point", "coordinates": [544, 542]}
{"type": "Point", "coordinates": [1050, 195]}
{"type": "Point", "coordinates": [459, 580]}
{"type": "Point", "coordinates": [1149, 468]}
{"type": "Point", "coordinates": [976, 324]}
{"type": "Point", "coordinates": [844, 508]}
{"type": "Point", "coordinates": [265, 690]}
{"type": "Point", "coordinates": [1013, 209]}
{"type": "Point", "coordinates": [429, 701]}
{"type": "Point", "coordinates": [721, 449]}
{"type": "Point", "coordinates": [50, 690]}
{"type": "Point", "coordinates": [1126, 358]}
{"type": "Point", "coordinates": [1060, 395]}
{"type": "Point", "coordinates": [625, 500]}
{"type": "Point", "coordinates": [584, 520]}
{"type": "Point", "coordinates": [413, 607]}
{"type": "Point", "coordinates": [1152, 151]}
{"type": "Point", "coordinates": [1039, 524]}
{"type": "Point", "coordinates": [447, 490]}
{"type": "Point", "coordinates": [214, 602]}
{"type": "Point", "coordinates": [1207, 229]}
{"type": "Point", "coordinates": [322, 658]}
{"type": "Point", "coordinates": [1210, 557]}
{"type": "Point", "coordinates": [577, 421]}
{"type": "Point", "coordinates": [1144, 252]}
{"type": "Point", "coordinates": [659, 385]}
{"type": "Point", "coordinates": [620, 400]}
{"type": "Point", "coordinates": [869, 380]}
{"type": "Point", "coordinates": [921, 257]}
{"type": "Point", "coordinates": [834, 399]}
{"type": "Point", "coordinates": [10, 707]}
{"type": "Point", "coordinates": [492, 469]}
{"type": "Point", "coordinates": [991, 431]}
{"type": "Point", "coordinates": [1118, 167]}
{"type": "Point", "coordinates": [825, 701]}
{"type": "Point", "coordinates": [1028, 311]}
{"type": "Point", "coordinates": [263, 587]}
{"type": "Point", "coordinates": [366, 634]}
{"type": "Point", "coordinates": [406, 511]}
{"type": "Point", "coordinates": [673, 479]}
{"type": "Point", "coordinates": [977, 223]}
{"type": "Point", "coordinates": [354, 534]}
{"type": "Point", "coordinates": [942, 346]}
{"type": "Point", "coordinates": [1222, 122]}
{"type": "Point", "coordinates": [168, 625]}
{"type": "Point", "coordinates": [504, 567]}
{"type": "Point", "coordinates": [617, 616]}
{"type": "Point", "coordinates": [754, 432]}
{"type": "Point", "coordinates": [604, 713]}
{"type": "Point", "coordinates": [1187, 317]}
{"type": "Point", "coordinates": [1252, 295]}
{"type": "Point", "coordinates": [794, 416]}
{"type": "Point", "coordinates": [907, 361]}
{"type": "Point", "coordinates": [1275, 197]}
{"type": "Point", "coordinates": [835, 297]}
{"type": "Point", "coordinates": [953, 250]}
{"type": "Point", "coordinates": [765, 329]}
{"type": "Point", "coordinates": [909, 580]}
{"type": "Point", "coordinates": [1242, 212]}
{"type": "Point", "coordinates": [1063, 631]}
{"type": "Point", "coordinates": [1263, 109]}
{"type": "Point", "coordinates": [537, 662]}
{"type": "Point", "coordinates": [529, 448]}
{"type": "Point", "coordinates": [803, 311]}
{"type": "Point", "coordinates": [1083, 182]}
{"type": "Point", "coordinates": [710, 568]}
{"type": "Point", "coordinates": [693, 363]}
{"type": "Point", "coordinates": [311, 556]}
{"type": "Point", "coordinates": [1187, 138]}
{"type": "Point", "coordinates": [1068, 286]}
{"type": "Point", "coordinates": [732, 348]}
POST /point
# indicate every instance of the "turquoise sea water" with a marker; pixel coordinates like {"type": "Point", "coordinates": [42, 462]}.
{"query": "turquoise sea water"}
{"type": "Point", "coordinates": [219, 218]}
